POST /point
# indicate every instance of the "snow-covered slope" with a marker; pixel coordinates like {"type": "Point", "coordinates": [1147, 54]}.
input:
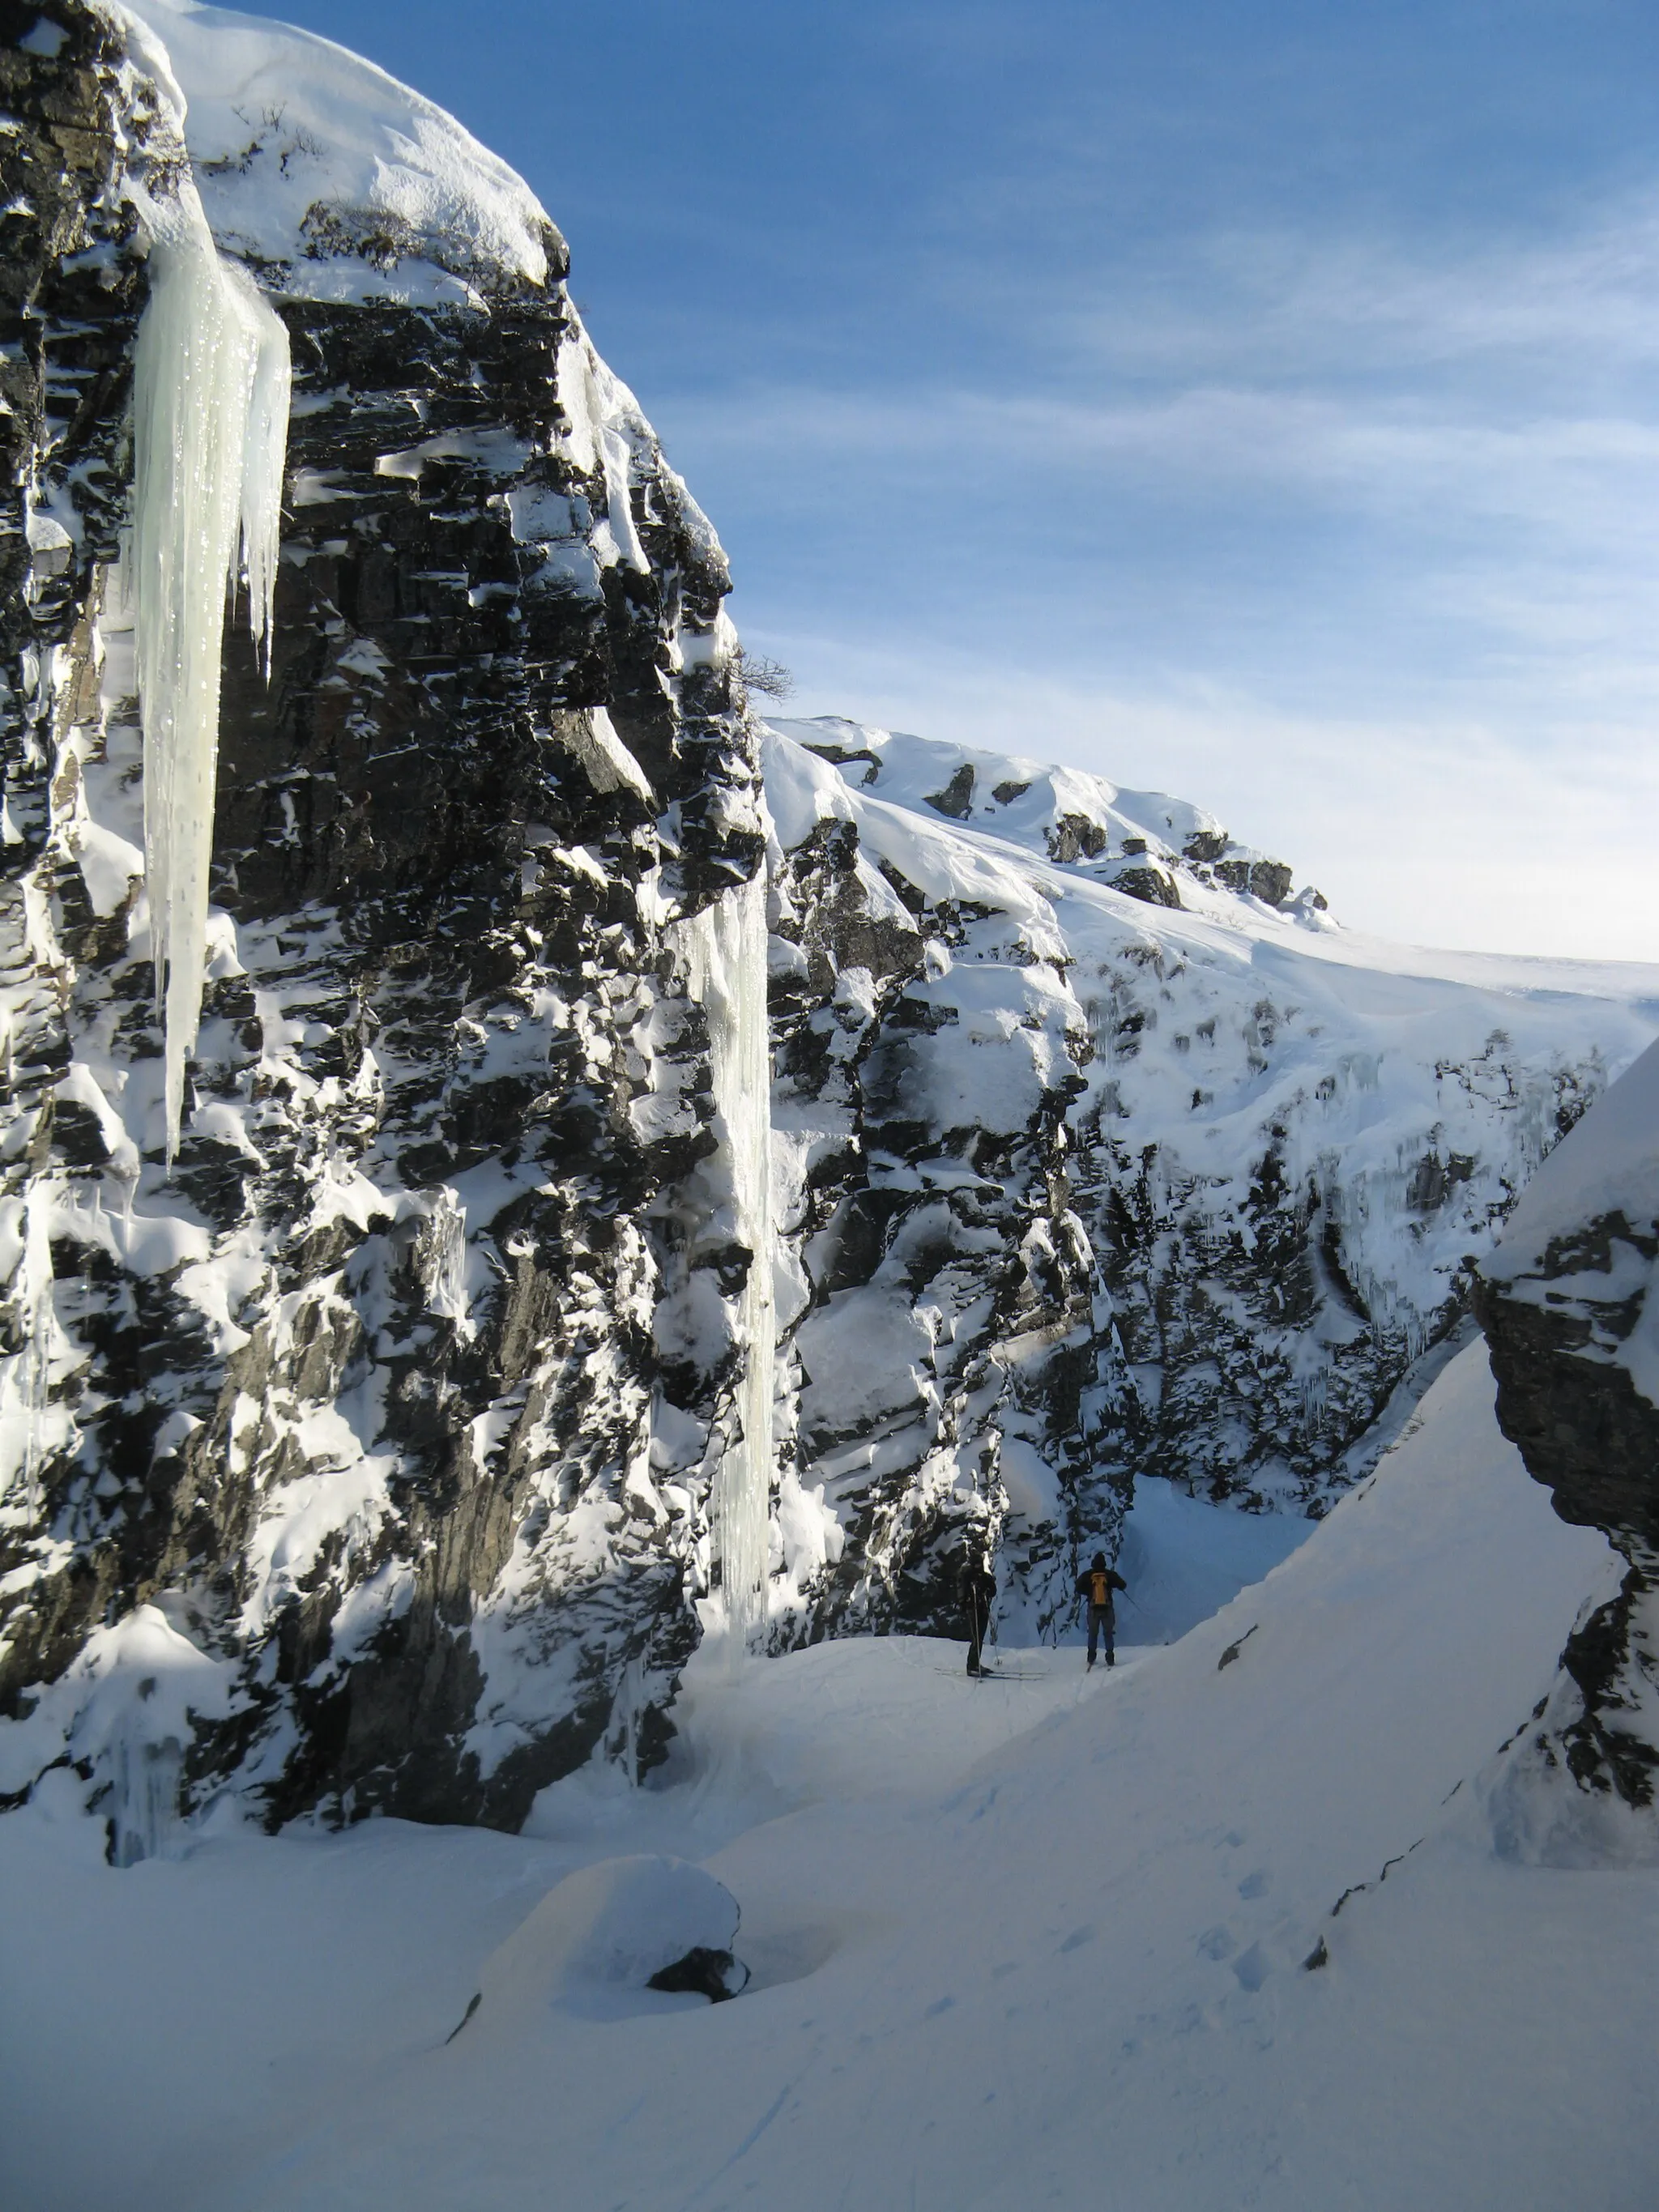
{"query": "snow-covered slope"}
{"type": "Point", "coordinates": [1226, 1929]}
{"type": "Point", "coordinates": [329, 177]}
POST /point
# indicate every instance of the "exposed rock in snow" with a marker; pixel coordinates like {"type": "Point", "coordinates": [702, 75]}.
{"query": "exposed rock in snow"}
{"type": "Point", "coordinates": [604, 1941]}
{"type": "Point", "coordinates": [1572, 1316]}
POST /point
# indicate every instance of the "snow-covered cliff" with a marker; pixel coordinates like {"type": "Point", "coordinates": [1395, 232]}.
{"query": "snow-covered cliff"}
{"type": "Point", "coordinates": [350, 1431]}
{"type": "Point", "coordinates": [497, 1330]}
{"type": "Point", "coordinates": [1110, 1175]}
{"type": "Point", "coordinates": [1571, 1317]}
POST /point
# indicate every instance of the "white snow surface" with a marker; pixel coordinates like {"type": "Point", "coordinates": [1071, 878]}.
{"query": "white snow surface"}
{"type": "Point", "coordinates": [1023, 799]}
{"type": "Point", "coordinates": [1032, 1942]}
{"type": "Point", "coordinates": [593, 1944]}
{"type": "Point", "coordinates": [281, 123]}
{"type": "Point", "coordinates": [1609, 1164]}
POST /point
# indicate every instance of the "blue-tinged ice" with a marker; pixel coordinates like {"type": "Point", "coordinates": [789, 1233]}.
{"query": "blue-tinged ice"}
{"type": "Point", "coordinates": [210, 409]}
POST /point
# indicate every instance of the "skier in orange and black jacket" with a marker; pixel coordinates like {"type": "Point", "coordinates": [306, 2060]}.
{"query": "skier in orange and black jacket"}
{"type": "Point", "coordinates": [1096, 1584]}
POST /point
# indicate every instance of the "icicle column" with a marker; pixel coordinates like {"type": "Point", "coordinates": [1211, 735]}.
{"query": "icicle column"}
{"type": "Point", "coordinates": [727, 958]}
{"type": "Point", "coordinates": [26, 1376]}
{"type": "Point", "coordinates": [210, 406]}
{"type": "Point", "coordinates": [443, 1258]}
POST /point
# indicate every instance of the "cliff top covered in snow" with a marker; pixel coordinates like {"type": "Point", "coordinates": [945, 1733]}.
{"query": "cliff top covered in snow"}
{"type": "Point", "coordinates": [1161, 850]}
{"type": "Point", "coordinates": [331, 178]}
{"type": "Point", "coordinates": [1065, 851]}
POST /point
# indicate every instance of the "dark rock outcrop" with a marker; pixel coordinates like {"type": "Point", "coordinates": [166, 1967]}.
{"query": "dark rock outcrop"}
{"type": "Point", "coordinates": [365, 1397]}
{"type": "Point", "coordinates": [1570, 1310]}
{"type": "Point", "coordinates": [947, 1384]}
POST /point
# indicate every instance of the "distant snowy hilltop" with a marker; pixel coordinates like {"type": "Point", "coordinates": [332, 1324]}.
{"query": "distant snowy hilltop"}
{"type": "Point", "coordinates": [413, 1349]}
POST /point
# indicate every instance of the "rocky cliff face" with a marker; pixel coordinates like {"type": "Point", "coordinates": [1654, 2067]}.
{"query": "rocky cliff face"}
{"type": "Point", "coordinates": [1571, 1319]}
{"type": "Point", "coordinates": [366, 1458]}
{"type": "Point", "coordinates": [362, 1400]}
{"type": "Point", "coordinates": [1270, 1151]}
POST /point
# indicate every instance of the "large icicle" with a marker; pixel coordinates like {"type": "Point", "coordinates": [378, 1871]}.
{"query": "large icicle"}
{"type": "Point", "coordinates": [441, 1250]}
{"type": "Point", "coordinates": [210, 408]}
{"type": "Point", "coordinates": [727, 960]}
{"type": "Point", "coordinates": [26, 1376]}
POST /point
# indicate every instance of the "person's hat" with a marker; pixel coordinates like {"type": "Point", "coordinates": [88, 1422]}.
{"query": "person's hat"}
{"type": "Point", "coordinates": [1097, 1565]}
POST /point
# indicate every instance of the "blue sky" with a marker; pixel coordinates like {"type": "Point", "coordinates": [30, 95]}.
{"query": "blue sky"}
{"type": "Point", "coordinates": [1259, 402]}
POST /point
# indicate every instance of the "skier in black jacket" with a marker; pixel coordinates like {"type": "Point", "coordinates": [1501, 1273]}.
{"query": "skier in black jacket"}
{"type": "Point", "coordinates": [976, 1587]}
{"type": "Point", "coordinates": [1096, 1584]}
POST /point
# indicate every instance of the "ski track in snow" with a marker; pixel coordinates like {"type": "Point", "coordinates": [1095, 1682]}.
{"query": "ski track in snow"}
{"type": "Point", "coordinates": [1013, 1945]}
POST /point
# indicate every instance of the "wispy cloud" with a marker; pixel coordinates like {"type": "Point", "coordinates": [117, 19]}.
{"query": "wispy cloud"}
{"type": "Point", "coordinates": [1295, 303]}
{"type": "Point", "coordinates": [1430, 832]}
{"type": "Point", "coordinates": [1355, 539]}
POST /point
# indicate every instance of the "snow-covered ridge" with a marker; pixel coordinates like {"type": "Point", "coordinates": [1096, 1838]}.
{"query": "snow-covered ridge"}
{"type": "Point", "coordinates": [332, 179]}
{"type": "Point", "coordinates": [1160, 849]}
{"type": "Point", "coordinates": [1608, 1165]}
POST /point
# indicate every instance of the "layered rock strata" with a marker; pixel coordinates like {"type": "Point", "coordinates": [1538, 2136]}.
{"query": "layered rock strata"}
{"type": "Point", "coordinates": [362, 1405]}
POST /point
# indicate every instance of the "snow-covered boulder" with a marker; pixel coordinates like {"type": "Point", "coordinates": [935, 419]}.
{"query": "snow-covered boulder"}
{"type": "Point", "coordinates": [620, 1937]}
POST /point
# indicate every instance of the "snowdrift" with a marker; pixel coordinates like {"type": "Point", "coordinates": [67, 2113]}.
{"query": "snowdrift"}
{"type": "Point", "coordinates": [1229, 1928]}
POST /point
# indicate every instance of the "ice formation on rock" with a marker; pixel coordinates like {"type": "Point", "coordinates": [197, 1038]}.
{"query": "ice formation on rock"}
{"type": "Point", "coordinates": [26, 1376]}
{"type": "Point", "coordinates": [443, 1256]}
{"type": "Point", "coordinates": [144, 1799]}
{"type": "Point", "coordinates": [210, 406]}
{"type": "Point", "coordinates": [726, 952]}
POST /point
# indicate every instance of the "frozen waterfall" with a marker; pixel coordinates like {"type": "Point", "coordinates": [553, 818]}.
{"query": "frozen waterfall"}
{"type": "Point", "coordinates": [210, 406]}
{"type": "Point", "coordinates": [443, 1261]}
{"type": "Point", "coordinates": [26, 1376]}
{"type": "Point", "coordinates": [726, 961]}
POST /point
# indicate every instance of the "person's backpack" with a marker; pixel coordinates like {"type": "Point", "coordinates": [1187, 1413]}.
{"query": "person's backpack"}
{"type": "Point", "coordinates": [1100, 1589]}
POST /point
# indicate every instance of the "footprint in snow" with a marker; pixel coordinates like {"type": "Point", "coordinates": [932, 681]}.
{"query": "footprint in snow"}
{"type": "Point", "coordinates": [1252, 1967]}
